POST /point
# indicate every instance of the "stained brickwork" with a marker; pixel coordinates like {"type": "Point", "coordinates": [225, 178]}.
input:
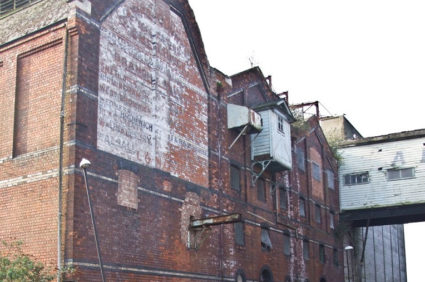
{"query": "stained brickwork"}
{"type": "Point", "coordinates": [140, 65]}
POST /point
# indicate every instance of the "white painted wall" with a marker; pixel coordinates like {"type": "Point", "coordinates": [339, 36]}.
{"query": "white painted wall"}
{"type": "Point", "coordinates": [377, 159]}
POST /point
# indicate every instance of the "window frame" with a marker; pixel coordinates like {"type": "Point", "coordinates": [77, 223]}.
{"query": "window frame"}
{"type": "Point", "coordinates": [335, 257]}
{"type": "Point", "coordinates": [363, 176]}
{"type": "Point", "coordinates": [266, 241]}
{"type": "Point", "coordinates": [239, 227]}
{"type": "Point", "coordinates": [316, 171]}
{"type": "Point", "coordinates": [300, 156]}
{"type": "Point", "coordinates": [330, 175]}
{"type": "Point", "coordinates": [322, 253]}
{"type": "Point", "coordinates": [283, 193]}
{"type": "Point", "coordinates": [302, 200]}
{"type": "Point", "coordinates": [235, 169]}
{"type": "Point", "coordinates": [306, 249]}
{"type": "Point", "coordinates": [400, 173]}
{"type": "Point", "coordinates": [318, 213]}
{"type": "Point", "coordinates": [332, 220]}
{"type": "Point", "coordinates": [280, 124]}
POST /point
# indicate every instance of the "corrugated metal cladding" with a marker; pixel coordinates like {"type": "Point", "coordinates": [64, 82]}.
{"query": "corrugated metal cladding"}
{"type": "Point", "coordinates": [379, 160]}
{"type": "Point", "coordinates": [273, 140]}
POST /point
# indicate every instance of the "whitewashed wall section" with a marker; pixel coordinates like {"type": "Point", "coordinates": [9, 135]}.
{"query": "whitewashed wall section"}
{"type": "Point", "coordinates": [152, 102]}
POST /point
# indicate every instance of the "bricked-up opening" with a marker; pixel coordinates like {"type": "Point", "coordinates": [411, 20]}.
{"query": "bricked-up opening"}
{"type": "Point", "coordinates": [239, 233]}
{"type": "Point", "coordinates": [261, 190]}
{"type": "Point", "coordinates": [235, 178]}
{"type": "Point", "coordinates": [127, 189]}
{"type": "Point", "coordinates": [38, 97]}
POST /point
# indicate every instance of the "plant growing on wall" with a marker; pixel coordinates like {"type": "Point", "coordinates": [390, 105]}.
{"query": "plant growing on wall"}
{"type": "Point", "coordinates": [17, 266]}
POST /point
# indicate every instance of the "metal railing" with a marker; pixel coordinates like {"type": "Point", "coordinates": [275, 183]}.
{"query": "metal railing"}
{"type": "Point", "coordinates": [7, 6]}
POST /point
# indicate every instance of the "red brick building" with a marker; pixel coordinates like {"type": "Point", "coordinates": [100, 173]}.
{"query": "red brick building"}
{"type": "Point", "coordinates": [127, 85]}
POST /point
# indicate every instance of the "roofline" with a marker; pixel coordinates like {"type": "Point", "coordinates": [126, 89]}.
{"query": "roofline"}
{"type": "Point", "coordinates": [392, 137]}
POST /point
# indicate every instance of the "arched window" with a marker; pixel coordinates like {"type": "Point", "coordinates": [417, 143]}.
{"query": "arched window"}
{"type": "Point", "coordinates": [266, 275]}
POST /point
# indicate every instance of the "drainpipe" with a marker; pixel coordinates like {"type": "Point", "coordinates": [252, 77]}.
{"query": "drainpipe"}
{"type": "Point", "coordinates": [61, 137]}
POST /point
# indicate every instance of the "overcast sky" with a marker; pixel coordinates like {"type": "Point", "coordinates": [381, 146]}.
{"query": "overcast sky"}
{"type": "Point", "coordinates": [363, 58]}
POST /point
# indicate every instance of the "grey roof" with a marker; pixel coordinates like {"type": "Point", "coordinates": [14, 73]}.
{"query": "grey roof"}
{"type": "Point", "coordinates": [32, 18]}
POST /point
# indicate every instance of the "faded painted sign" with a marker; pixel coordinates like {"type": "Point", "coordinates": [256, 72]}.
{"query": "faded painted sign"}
{"type": "Point", "coordinates": [152, 103]}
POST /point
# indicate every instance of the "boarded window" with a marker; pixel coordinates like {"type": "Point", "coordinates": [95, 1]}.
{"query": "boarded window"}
{"type": "Point", "coordinates": [335, 257]}
{"type": "Point", "coordinates": [306, 249]}
{"type": "Point", "coordinates": [322, 256]}
{"type": "Point", "coordinates": [316, 171]}
{"type": "Point", "coordinates": [356, 178]}
{"type": "Point", "coordinates": [261, 190]}
{"type": "Point", "coordinates": [286, 244]}
{"type": "Point", "coordinates": [300, 158]}
{"type": "Point", "coordinates": [402, 173]}
{"type": "Point", "coordinates": [283, 198]}
{"type": "Point", "coordinates": [302, 207]}
{"type": "Point", "coordinates": [266, 243]}
{"type": "Point", "coordinates": [317, 213]}
{"type": "Point", "coordinates": [330, 179]}
{"type": "Point", "coordinates": [235, 178]}
{"type": "Point", "coordinates": [332, 220]}
{"type": "Point", "coordinates": [239, 233]}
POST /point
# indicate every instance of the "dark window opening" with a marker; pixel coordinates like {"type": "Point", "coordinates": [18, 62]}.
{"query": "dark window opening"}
{"type": "Point", "coordinates": [261, 190]}
{"type": "Point", "coordinates": [283, 198]}
{"type": "Point", "coordinates": [266, 243]}
{"type": "Point", "coordinates": [280, 122]}
{"type": "Point", "coordinates": [287, 244]}
{"type": "Point", "coordinates": [239, 233]}
{"type": "Point", "coordinates": [335, 257]}
{"type": "Point", "coordinates": [306, 250]}
{"type": "Point", "coordinates": [300, 158]}
{"type": "Point", "coordinates": [240, 276]}
{"type": "Point", "coordinates": [317, 213]}
{"type": "Point", "coordinates": [322, 256]}
{"type": "Point", "coordinates": [10, 5]}
{"type": "Point", "coordinates": [235, 178]}
{"type": "Point", "coordinates": [266, 275]}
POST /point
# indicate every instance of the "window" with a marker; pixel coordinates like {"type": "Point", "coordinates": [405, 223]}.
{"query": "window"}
{"type": "Point", "coordinates": [235, 178]}
{"type": "Point", "coordinates": [283, 198]}
{"type": "Point", "coordinates": [332, 220]}
{"type": "Point", "coordinates": [300, 158]}
{"type": "Point", "coordinates": [280, 123]}
{"type": "Point", "coordinates": [302, 206]}
{"type": "Point", "coordinates": [331, 179]}
{"type": "Point", "coordinates": [287, 244]}
{"type": "Point", "coordinates": [306, 251]}
{"type": "Point", "coordinates": [9, 5]}
{"type": "Point", "coordinates": [239, 233]}
{"type": "Point", "coordinates": [240, 276]}
{"type": "Point", "coordinates": [261, 190]}
{"type": "Point", "coordinates": [316, 171]}
{"type": "Point", "coordinates": [356, 178]}
{"type": "Point", "coordinates": [266, 243]}
{"type": "Point", "coordinates": [335, 257]}
{"type": "Point", "coordinates": [322, 256]}
{"type": "Point", "coordinates": [401, 173]}
{"type": "Point", "coordinates": [317, 213]}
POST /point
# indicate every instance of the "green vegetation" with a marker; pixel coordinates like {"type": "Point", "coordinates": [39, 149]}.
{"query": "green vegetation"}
{"type": "Point", "coordinates": [17, 266]}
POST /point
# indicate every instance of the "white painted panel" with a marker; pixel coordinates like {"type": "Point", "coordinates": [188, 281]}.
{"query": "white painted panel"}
{"type": "Point", "coordinates": [377, 159]}
{"type": "Point", "coordinates": [152, 105]}
{"type": "Point", "coordinates": [261, 144]}
{"type": "Point", "coordinates": [281, 141]}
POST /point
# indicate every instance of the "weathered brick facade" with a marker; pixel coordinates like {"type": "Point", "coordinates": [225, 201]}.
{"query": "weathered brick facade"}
{"type": "Point", "coordinates": [142, 104]}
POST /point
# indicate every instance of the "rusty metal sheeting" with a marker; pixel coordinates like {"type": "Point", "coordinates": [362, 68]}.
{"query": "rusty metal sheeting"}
{"type": "Point", "coordinates": [215, 220]}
